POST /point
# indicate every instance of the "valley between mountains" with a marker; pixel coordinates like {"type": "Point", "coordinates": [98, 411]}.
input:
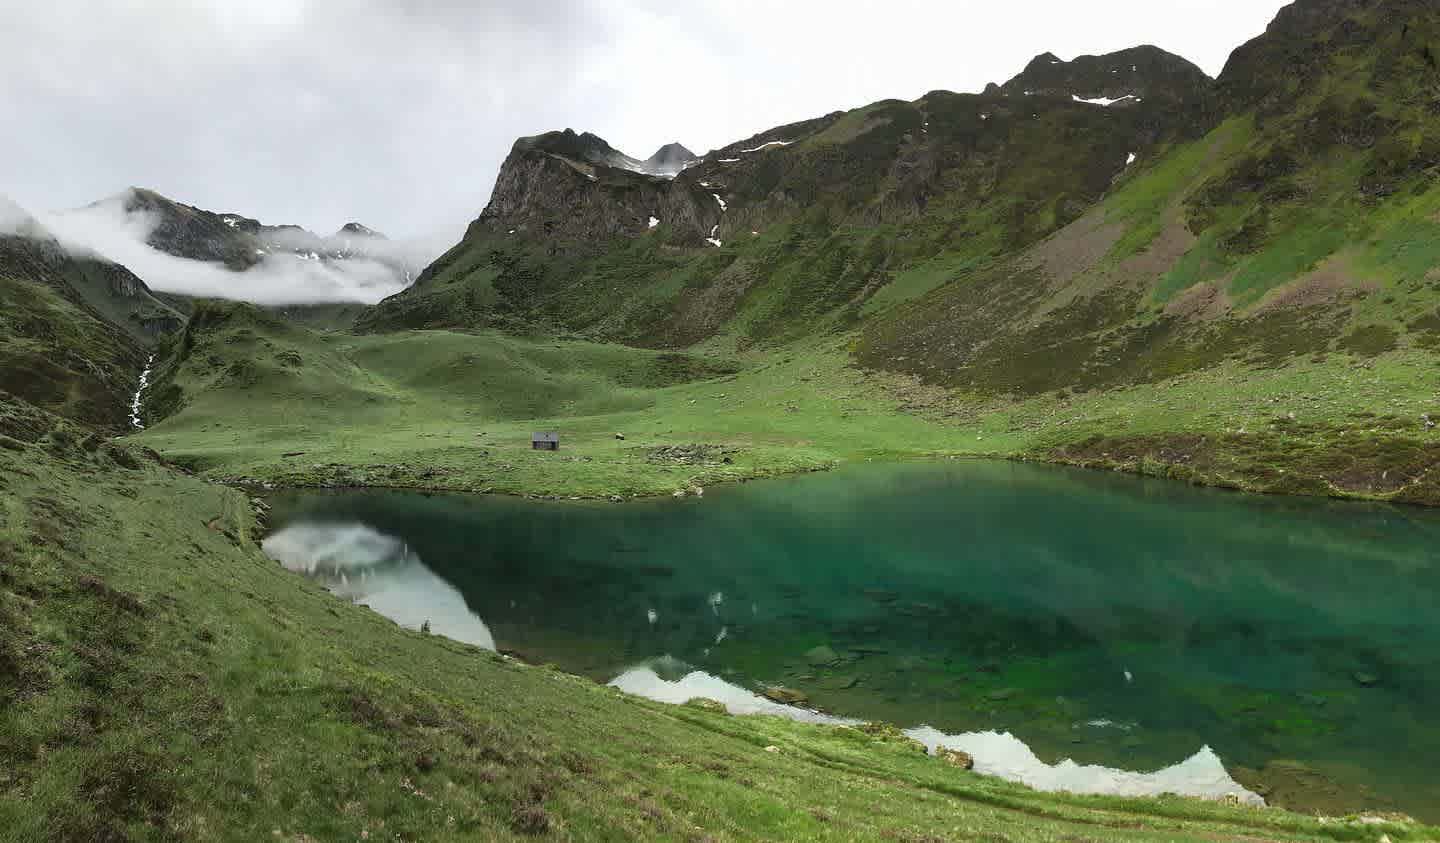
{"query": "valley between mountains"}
{"type": "Point", "coordinates": [1114, 262]}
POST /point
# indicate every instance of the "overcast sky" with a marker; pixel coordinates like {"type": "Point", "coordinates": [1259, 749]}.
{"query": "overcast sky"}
{"type": "Point", "coordinates": [397, 113]}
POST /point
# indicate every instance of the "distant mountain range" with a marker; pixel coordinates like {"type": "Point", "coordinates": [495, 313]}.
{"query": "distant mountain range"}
{"type": "Point", "coordinates": [238, 241]}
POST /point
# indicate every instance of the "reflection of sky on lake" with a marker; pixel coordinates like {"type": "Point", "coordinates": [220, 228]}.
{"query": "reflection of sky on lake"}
{"type": "Point", "coordinates": [367, 566]}
{"type": "Point", "coordinates": [995, 753]}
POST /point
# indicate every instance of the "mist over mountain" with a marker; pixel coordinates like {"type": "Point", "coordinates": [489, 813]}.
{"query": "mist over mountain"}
{"type": "Point", "coordinates": [178, 248]}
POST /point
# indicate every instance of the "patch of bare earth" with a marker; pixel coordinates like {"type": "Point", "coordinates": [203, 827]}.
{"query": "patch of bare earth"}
{"type": "Point", "coordinates": [1201, 302]}
{"type": "Point", "coordinates": [1075, 249]}
{"type": "Point", "coordinates": [702, 312]}
{"type": "Point", "coordinates": [1169, 246]}
{"type": "Point", "coordinates": [1332, 281]}
{"type": "Point", "coordinates": [1075, 263]}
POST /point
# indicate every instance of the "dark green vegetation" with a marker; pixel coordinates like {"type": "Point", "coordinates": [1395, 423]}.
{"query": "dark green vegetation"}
{"type": "Point", "coordinates": [73, 331]}
{"type": "Point", "coordinates": [933, 594]}
{"type": "Point", "coordinates": [161, 680]}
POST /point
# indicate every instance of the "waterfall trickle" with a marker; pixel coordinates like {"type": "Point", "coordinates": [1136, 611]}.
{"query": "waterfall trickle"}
{"type": "Point", "coordinates": [135, 402]}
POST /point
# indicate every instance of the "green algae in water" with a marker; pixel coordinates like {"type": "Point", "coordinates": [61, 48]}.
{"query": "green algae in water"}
{"type": "Point", "coordinates": [1109, 619]}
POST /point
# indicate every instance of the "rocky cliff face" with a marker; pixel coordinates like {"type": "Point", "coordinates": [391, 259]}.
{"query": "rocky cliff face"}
{"type": "Point", "coordinates": [577, 192]}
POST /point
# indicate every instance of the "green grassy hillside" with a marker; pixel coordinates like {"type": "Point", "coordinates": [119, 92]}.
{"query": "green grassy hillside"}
{"type": "Point", "coordinates": [455, 411]}
{"type": "Point", "coordinates": [161, 680]}
{"type": "Point", "coordinates": [257, 400]}
{"type": "Point", "coordinates": [58, 347]}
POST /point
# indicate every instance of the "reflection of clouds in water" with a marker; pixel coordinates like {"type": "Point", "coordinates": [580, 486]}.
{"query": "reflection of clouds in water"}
{"type": "Point", "coordinates": [361, 564]}
{"type": "Point", "coordinates": [645, 682]}
{"type": "Point", "coordinates": [996, 754]}
{"type": "Point", "coordinates": [1006, 756]}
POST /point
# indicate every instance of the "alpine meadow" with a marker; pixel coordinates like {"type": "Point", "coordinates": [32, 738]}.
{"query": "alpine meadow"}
{"type": "Point", "coordinates": [1091, 419]}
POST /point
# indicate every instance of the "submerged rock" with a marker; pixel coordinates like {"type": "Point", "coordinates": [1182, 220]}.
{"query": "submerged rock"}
{"type": "Point", "coordinates": [786, 696]}
{"type": "Point", "coordinates": [891, 733]}
{"type": "Point", "coordinates": [1365, 680]}
{"type": "Point", "coordinates": [822, 655]}
{"type": "Point", "coordinates": [1296, 786]}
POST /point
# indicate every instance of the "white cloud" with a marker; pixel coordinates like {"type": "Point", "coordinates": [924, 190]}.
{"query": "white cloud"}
{"type": "Point", "coordinates": [12, 216]}
{"type": "Point", "coordinates": [108, 231]}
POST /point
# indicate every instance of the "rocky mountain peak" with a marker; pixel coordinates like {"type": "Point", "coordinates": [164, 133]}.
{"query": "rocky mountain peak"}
{"type": "Point", "coordinates": [1398, 39]}
{"type": "Point", "coordinates": [1124, 78]}
{"type": "Point", "coordinates": [355, 229]}
{"type": "Point", "coordinates": [591, 150]}
{"type": "Point", "coordinates": [670, 159]}
{"type": "Point", "coordinates": [582, 147]}
{"type": "Point", "coordinates": [576, 189]}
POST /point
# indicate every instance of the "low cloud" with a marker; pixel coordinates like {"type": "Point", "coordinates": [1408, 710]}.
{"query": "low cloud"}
{"type": "Point", "coordinates": [13, 218]}
{"type": "Point", "coordinates": [378, 268]}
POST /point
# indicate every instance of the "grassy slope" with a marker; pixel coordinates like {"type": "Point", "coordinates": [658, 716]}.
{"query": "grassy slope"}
{"type": "Point", "coordinates": [161, 679]}
{"type": "Point", "coordinates": [56, 353]}
{"type": "Point", "coordinates": [455, 411]}
{"type": "Point", "coordinates": [446, 410]}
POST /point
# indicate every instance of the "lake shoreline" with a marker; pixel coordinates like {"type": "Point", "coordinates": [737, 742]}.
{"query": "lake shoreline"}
{"type": "Point", "coordinates": [259, 485]}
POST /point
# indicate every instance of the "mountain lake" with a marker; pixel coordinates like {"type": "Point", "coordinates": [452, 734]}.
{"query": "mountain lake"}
{"type": "Point", "coordinates": [1074, 630]}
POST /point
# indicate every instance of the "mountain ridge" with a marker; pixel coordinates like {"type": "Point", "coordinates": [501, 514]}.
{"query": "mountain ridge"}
{"type": "Point", "coordinates": [559, 204]}
{"type": "Point", "coordinates": [235, 240]}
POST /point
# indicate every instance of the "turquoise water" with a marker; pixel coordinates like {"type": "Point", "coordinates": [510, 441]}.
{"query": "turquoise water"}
{"type": "Point", "coordinates": [1110, 619]}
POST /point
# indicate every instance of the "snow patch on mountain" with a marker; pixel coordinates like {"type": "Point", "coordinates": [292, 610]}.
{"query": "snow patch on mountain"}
{"type": "Point", "coordinates": [1105, 102]}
